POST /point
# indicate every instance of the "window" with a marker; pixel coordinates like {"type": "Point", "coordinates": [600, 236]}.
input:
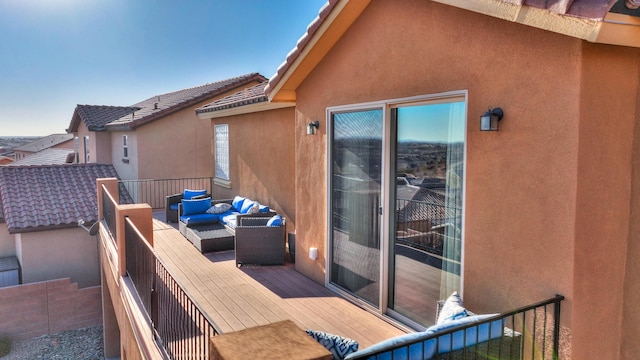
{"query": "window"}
{"type": "Point", "coordinates": [221, 137]}
{"type": "Point", "coordinates": [76, 148]}
{"type": "Point", "coordinates": [87, 156]}
{"type": "Point", "coordinates": [125, 147]}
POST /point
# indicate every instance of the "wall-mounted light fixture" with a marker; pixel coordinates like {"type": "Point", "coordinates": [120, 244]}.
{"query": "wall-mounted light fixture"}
{"type": "Point", "coordinates": [489, 121]}
{"type": "Point", "coordinates": [312, 127]}
{"type": "Point", "coordinates": [91, 230]}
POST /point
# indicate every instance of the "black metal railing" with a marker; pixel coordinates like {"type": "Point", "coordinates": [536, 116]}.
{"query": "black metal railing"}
{"type": "Point", "coordinates": [155, 191]}
{"type": "Point", "coordinates": [181, 329]}
{"type": "Point", "coordinates": [140, 264]}
{"type": "Point", "coordinates": [529, 332]}
{"type": "Point", "coordinates": [109, 213]}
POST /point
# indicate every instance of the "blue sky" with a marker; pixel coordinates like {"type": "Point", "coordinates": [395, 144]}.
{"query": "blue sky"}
{"type": "Point", "coordinates": [55, 54]}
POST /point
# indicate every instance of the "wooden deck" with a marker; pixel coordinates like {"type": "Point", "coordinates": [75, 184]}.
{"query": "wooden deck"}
{"type": "Point", "coordinates": [238, 298]}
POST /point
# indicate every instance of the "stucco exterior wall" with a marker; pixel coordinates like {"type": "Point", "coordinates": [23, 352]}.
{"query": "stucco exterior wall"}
{"type": "Point", "coordinates": [261, 163]}
{"type": "Point", "coordinates": [534, 197]}
{"type": "Point", "coordinates": [177, 146]}
{"type": "Point", "coordinates": [102, 140]}
{"type": "Point", "coordinates": [631, 312]}
{"type": "Point", "coordinates": [127, 168]}
{"type": "Point", "coordinates": [55, 254]}
{"type": "Point", "coordinates": [7, 242]}
{"type": "Point", "coordinates": [607, 123]}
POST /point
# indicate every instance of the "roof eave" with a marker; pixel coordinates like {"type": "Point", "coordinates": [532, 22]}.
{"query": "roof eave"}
{"type": "Point", "coordinates": [320, 37]}
{"type": "Point", "coordinates": [244, 109]}
{"type": "Point", "coordinates": [615, 29]}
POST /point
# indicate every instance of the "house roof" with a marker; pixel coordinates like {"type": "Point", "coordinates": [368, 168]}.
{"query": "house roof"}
{"type": "Point", "coordinates": [45, 143]}
{"type": "Point", "coordinates": [38, 198]}
{"type": "Point", "coordinates": [585, 19]}
{"type": "Point", "coordinates": [161, 105]}
{"type": "Point", "coordinates": [251, 99]}
{"type": "Point", "coordinates": [46, 157]}
{"type": "Point", "coordinates": [96, 117]}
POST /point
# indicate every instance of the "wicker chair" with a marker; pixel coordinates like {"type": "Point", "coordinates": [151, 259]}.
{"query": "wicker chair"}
{"type": "Point", "coordinates": [259, 244]}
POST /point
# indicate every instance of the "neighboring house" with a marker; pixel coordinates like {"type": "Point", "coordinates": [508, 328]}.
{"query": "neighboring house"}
{"type": "Point", "coordinates": [47, 157]}
{"type": "Point", "coordinates": [55, 141]}
{"type": "Point", "coordinates": [542, 206]}
{"type": "Point", "coordinates": [5, 160]}
{"type": "Point", "coordinates": [157, 138]}
{"type": "Point", "coordinates": [40, 210]}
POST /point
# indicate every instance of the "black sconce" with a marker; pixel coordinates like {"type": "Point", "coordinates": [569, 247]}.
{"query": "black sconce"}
{"type": "Point", "coordinates": [489, 121]}
{"type": "Point", "coordinates": [312, 127]}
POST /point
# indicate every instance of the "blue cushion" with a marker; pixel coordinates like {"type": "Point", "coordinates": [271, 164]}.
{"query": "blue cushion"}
{"type": "Point", "coordinates": [173, 206]}
{"type": "Point", "coordinates": [189, 194]}
{"type": "Point", "coordinates": [276, 220]}
{"type": "Point", "coordinates": [197, 219]}
{"type": "Point", "coordinates": [246, 205]}
{"type": "Point", "coordinates": [396, 348]}
{"type": "Point", "coordinates": [263, 208]}
{"type": "Point", "coordinates": [237, 202]}
{"type": "Point", "coordinates": [198, 206]}
{"type": "Point", "coordinates": [337, 345]}
{"type": "Point", "coordinates": [469, 337]}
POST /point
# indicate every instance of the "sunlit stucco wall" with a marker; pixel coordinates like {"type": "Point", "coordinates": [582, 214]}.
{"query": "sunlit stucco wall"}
{"type": "Point", "coordinates": [537, 190]}
{"type": "Point", "coordinates": [178, 145]}
{"type": "Point", "coordinates": [7, 242]}
{"type": "Point", "coordinates": [261, 163]}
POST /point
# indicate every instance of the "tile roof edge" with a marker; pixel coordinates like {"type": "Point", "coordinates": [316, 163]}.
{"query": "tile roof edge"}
{"type": "Point", "coordinates": [242, 79]}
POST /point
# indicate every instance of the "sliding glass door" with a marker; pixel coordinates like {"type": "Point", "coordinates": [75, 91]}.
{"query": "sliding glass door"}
{"type": "Point", "coordinates": [356, 164]}
{"type": "Point", "coordinates": [396, 180]}
{"type": "Point", "coordinates": [425, 251]}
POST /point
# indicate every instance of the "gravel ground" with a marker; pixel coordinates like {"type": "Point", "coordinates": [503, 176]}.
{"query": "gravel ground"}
{"type": "Point", "coordinates": [85, 344]}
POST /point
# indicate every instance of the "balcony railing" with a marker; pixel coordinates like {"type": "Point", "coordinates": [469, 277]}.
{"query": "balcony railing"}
{"type": "Point", "coordinates": [179, 327]}
{"type": "Point", "coordinates": [155, 191]}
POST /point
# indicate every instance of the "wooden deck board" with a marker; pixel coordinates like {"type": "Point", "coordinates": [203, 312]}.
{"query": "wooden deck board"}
{"type": "Point", "coordinates": [238, 298]}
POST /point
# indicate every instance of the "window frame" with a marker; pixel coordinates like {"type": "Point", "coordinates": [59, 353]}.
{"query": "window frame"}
{"type": "Point", "coordinates": [222, 176]}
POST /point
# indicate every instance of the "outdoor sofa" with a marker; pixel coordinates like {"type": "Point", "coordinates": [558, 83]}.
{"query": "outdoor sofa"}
{"type": "Point", "coordinates": [253, 229]}
{"type": "Point", "coordinates": [461, 334]}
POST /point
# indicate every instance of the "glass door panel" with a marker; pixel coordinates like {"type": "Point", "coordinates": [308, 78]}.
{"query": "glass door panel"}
{"type": "Point", "coordinates": [425, 248]}
{"type": "Point", "coordinates": [356, 172]}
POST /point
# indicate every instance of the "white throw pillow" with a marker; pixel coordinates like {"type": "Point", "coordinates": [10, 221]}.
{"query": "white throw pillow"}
{"type": "Point", "coordinates": [219, 208]}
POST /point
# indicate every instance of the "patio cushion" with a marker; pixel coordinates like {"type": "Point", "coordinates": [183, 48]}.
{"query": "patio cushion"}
{"type": "Point", "coordinates": [237, 202]}
{"type": "Point", "coordinates": [229, 218]}
{"type": "Point", "coordinates": [196, 219]}
{"type": "Point", "coordinates": [452, 309]}
{"type": "Point", "coordinates": [263, 208]}
{"type": "Point", "coordinates": [337, 345]}
{"type": "Point", "coordinates": [189, 194]}
{"type": "Point", "coordinates": [198, 206]}
{"type": "Point", "coordinates": [174, 206]}
{"type": "Point", "coordinates": [219, 208]}
{"type": "Point", "coordinates": [398, 349]}
{"type": "Point", "coordinates": [247, 205]}
{"type": "Point", "coordinates": [275, 220]}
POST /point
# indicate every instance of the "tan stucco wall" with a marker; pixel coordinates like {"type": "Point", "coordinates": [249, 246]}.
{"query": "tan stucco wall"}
{"type": "Point", "coordinates": [127, 168]}
{"type": "Point", "coordinates": [631, 314]}
{"type": "Point", "coordinates": [55, 254]}
{"type": "Point", "coordinates": [102, 146]}
{"type": "Point", "coordinates": [534, 196]}
{"type": "Point", "coordinates": [261, 163]}
{"type": "Point", "coordinates": [7, 242]}
{"type": "Point", "coordinates": [177, 146]}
